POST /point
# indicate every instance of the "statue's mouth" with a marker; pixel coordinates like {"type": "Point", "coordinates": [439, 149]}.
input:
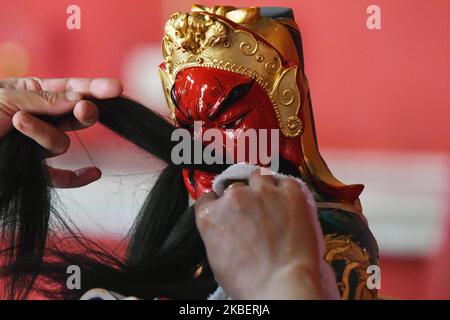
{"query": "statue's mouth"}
{"type": "Point", "coordinates": [198, 182]}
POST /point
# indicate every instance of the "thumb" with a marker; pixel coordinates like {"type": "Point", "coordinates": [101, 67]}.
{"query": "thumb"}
{"type": "Point", "coordinates": [203, 210]}
{"type": "Point", "coordinates": [42, 102]}
{"type": "Point", "coordinates": [204, 201]}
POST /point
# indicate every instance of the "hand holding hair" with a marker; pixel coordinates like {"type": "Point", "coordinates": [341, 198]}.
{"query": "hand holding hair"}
{"type": "Point", "coordinates": [24, 101]}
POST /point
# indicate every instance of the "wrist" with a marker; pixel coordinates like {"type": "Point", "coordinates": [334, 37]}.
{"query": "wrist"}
{"type": "Point", "coordinates": [298, 282]}
{"type": "Point", "coordinates": [293, 282]}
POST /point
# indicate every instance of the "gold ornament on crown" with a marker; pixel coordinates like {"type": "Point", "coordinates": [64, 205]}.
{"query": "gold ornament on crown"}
{"type": "Point", "coordinates": [235, 40]}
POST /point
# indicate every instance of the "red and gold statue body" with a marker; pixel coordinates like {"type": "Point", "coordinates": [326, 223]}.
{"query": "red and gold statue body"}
{"type": "Point", "coordinates": [243, 68]}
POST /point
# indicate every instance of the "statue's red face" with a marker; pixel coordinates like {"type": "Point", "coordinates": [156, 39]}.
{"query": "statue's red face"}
{"type": "Point", "coordinates": [222, 100]}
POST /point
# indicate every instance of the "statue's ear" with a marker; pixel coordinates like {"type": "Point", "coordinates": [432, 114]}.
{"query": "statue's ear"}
{"type": "Point", "coordinates": [288, 100]}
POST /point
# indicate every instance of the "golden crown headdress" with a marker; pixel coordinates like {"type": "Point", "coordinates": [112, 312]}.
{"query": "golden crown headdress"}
{"type": "Point", "coordinates": [240, 41]}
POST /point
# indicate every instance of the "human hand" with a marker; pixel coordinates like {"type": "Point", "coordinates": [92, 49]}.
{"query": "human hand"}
{"type": "Point", "coordinates": [260, 240]}
{"type": "Point", "coordinates": [22, 100]}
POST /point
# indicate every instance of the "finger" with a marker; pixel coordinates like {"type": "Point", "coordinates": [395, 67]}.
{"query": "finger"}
{"type": "Point", "coordinates": [40, 102]}
{"type": "Point", "coordinates": [85, 115]}
{"type": "Point", "coordinates": [86, 112]}
{"type": "Point", "coordinates": [21, 84]}
{"type": "Point", "coordinates": [290, 185]}
{"type": "Point", "coordinates": [203, 211]}
{"type": "Point", "coordinates": [258, 180]}
{"type": "Point", "coordinates": [73, 179]}
{"type": "Point", "coordinates": [50, 138]}
{"type": "Point", "coordinates": [205, 201]}
{"type": "Point", "coordinates": [100, 88]}
{"type": "Point", "coordinates": [234, 185]}
{"type": "Point", "coordinates": [292, 188]}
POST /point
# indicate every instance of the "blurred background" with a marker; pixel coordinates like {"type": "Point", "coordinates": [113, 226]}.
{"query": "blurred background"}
{"type": "Point", "coordinates": [381, 100]}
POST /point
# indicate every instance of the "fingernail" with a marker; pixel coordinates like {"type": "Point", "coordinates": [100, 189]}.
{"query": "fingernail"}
{"type": "Point", "coordinates": [73, 96]}
{"type": "Point", "coordinates": [94, 173]}
{"type": "Point", "coordinates": [25, 120]}
{"type": "Point", "coordinates": [97, 173]}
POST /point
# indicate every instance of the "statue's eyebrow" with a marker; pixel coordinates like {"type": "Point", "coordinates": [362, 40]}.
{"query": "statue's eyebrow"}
{"type": "Point", "coordinates": [219, 84]}
{"type": "Point", "coordinates": [235, 94]}
{"type": "Point", "coordinates": [176, 103]}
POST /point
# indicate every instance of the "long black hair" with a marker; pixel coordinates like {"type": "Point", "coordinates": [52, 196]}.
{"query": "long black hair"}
{"type": "Point", "coordinates": [164, 253]}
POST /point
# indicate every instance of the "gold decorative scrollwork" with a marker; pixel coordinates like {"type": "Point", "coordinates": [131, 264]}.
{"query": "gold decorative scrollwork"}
{"type": "Point", "coordinates": [294, 123]}
{"type": "Point", "coordinates": [287, 97]}
{"type": "Point", "coordinates": [273, 66]}
{"type": "Point", "coordinates": [249, 45]}
{"type": "Point", "coordinates": [356, 260]}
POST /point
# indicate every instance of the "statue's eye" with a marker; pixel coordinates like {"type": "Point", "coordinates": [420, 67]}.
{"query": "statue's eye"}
{"type": "Point", "coordinates": [238, 93]}
{"type": "Point", "coordinates": [238, 121]}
